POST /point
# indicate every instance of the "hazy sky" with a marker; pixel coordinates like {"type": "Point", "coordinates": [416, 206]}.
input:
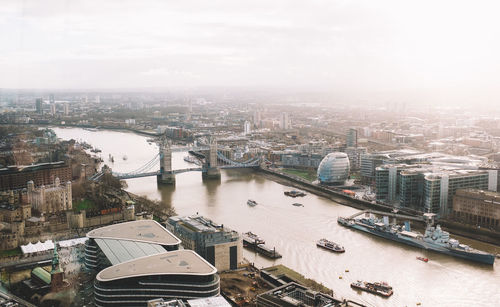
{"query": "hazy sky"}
{"type": "Point", "coordinates": [317, 45]}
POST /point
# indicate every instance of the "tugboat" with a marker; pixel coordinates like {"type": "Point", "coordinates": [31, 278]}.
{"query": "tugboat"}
{"type": "Point", "coordinates": [251, 203]}
{"type": "Point", "coordinates": [294, 193]}
{"type": "Point", "coordinates": [331, 246]}
{"type": "Point", "coordinates": [423, 259]}
{"type": "Point", "coordinates": [378, 288]}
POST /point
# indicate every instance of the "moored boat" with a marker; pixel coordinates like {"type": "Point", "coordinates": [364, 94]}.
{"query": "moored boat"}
{"type": "Point", "coordinates": [251, 203]}
{"type": "Point", "coordinates": [378, 288]}
{"type": "Point", "coordinates": [298, 205]}
{"type": "Point", "coordinates": [331, 246]}
{"type": "Point", "coordinates": [250, 238]}
{"type": "Point", "coordinates": [294, 193]}
{"type": "Point", "coordinates": [434, 239]}
{"type": "Point", "coordinates": [423, 259]}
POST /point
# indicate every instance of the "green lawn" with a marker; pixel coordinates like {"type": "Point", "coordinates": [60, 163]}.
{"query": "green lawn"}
{"type": "Point", "coordinates": [83, 205]}
{"type": "Point", "coordinates": [306, 174]}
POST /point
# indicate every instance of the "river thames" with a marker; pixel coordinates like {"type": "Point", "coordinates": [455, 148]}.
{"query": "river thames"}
{"type": "Point", "coordinates": [443, 281]}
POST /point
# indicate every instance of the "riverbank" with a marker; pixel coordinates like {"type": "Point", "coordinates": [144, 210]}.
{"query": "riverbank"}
{"type": "Point", "coordinates": [483, 235]}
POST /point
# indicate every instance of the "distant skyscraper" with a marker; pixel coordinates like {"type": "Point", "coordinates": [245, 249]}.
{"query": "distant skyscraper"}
{"type": "Point", "coordinates": [66, 108]}
{"type": "Point", "coordinates": [247, 127]}
{"type": "Point", "coordinates": [284, 121]}
{"type": "Point", "coordinates": [257, 119]}
{"type": "Point", "coordinates": [97, 99]}
{"type": "Point", "coordinates": [52, 99]}
{"type": "Point", "coordinates": [39, 105]}
{"type": "Point", "coordinates": [352, 138]}
{"type": "Point", "coordinates": [53, 108]}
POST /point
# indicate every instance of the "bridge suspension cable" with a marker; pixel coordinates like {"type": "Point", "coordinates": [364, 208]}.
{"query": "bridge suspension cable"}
{"type": "Point", "coordinates": [143, 169]}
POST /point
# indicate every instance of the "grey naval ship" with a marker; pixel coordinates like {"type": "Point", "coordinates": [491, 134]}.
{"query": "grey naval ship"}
{"type": "Point", "coordinates": [434, 238]}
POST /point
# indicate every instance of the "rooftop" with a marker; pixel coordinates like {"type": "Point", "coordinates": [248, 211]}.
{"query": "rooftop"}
{"type": "Point", "coordinates": [118, 251]}
{"type": "Point", "coordinates": [179, 262]}
{"type": "Point", "coordinates": [147, 231]}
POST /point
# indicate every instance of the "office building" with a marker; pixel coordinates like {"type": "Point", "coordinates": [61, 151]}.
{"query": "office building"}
{"type": "Point", "coordinates": [114, 244]}
{"type": "Point", "coordinates": [180, 274]}
{"type": "Point", "coordinates": [354, 154]}
{"type": "Point", "coordinates": [140, 261]}
{"type": "Point", "coordinates": [66, 109]}
{"type": "Point", "coordinates": [284, 121]}
{"type": "Point", "coordinates": [39, 106]}
{"type": "Point", "coordinates": [334, 169]}
{"type": "Point", "coordinates": [440, 188]}
{"type": "Point", "coordinates": [477, 207]}
{"type": "Point", "coordinates": [352, 138]}
{"type": "Point", "coordinates": [247, 127]}
{"type": "Point", "coordinates": [17, 177]}
{"type": "Point", "coordinates": [220, 246]}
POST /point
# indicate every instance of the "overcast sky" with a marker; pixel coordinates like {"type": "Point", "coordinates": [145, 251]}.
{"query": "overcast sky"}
{"type": "Point", "coordinates": [315, 45]}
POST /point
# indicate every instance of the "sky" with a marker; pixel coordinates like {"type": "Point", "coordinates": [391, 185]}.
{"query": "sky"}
{"type": "Point", "coordinates": [446, 48]}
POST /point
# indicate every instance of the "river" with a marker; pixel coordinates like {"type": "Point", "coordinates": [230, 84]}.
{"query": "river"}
{"type": "Point", "coordinates": [443, 281]}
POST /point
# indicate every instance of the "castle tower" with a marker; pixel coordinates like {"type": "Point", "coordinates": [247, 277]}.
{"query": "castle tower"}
{"type": "Point", "coordinates": [57, 273]}
{"type": "Point", "coordinates": [166, 176]}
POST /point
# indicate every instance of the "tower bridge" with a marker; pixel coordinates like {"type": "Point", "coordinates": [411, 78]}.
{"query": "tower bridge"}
{"type": "Point", "coordinates": [210, 168]}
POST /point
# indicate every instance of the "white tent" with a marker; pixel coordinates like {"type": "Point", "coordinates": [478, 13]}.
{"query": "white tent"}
{"type": "Point", "coordinates": [37, 247]}
{"type": "Point", "coordinates": [72, 242]}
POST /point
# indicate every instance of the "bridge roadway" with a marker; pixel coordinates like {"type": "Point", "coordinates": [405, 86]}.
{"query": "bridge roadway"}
{"type": "Point", "coordinates": [177, 171]}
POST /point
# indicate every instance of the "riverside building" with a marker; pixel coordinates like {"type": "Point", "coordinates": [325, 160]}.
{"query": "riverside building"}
{"type": "Point", "coordinates": [139, 261]}
{"type": "Point", "coordinates": [220, 246]}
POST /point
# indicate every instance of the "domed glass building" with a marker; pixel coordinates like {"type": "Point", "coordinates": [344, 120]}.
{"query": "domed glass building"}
{"type": "Point", "coordinates": [334, 169]}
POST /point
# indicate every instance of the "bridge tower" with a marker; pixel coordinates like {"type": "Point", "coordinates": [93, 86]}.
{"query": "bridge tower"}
{"type": "Point", "coordinates": [210, 169]}
{"type": "Point", "coordinates": [166, 176]}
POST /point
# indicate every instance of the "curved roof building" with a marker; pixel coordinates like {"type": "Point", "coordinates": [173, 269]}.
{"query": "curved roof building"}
{"type": "Point", "coordinates": [181, 274]}
{"type": "Point", "coordinates": [334, 168]}
{"type": "Point", "coordinates": [122, 242]}
{"type": "Point", "coordinates": [140, 261]}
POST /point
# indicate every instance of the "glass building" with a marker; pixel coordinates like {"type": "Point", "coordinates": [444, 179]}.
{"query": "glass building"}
{"type": "Point", "coordinates": [334, 169]}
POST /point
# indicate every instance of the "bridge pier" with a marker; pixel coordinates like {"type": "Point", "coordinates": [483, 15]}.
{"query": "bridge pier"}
{"type": "Point", "coordinates": [211, 173]}
{"type": "Point", "coordinates": [166, 179]}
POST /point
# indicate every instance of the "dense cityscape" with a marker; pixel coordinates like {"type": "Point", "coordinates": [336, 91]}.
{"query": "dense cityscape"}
{"type": "Point", "coordinates": [322, 153]}
{"type": "Point", "coordinates": [73, 218]}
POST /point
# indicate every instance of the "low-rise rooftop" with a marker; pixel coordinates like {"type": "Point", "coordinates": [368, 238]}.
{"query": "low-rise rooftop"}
{"type": "Point", "coordinates": [147, 231]}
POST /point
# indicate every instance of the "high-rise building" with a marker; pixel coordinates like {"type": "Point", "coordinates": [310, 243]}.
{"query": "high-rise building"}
{"type": "Point", "coordinates": [52, 98]}
{"type": "Point", "coordinates": [66, 109]}
{"type": "Point", "coordinates": [352, 138]}
{"type": "Point", "coordinates": [284, 121]}
{"type": "Point", "coordinates": [39, 105]}
{"type": "Point", "coordinates": [247, 128]}
{"type": "Point", "coordinates": [97, 99]}
{"type": "Point", "coordinates": [257, 119]}
{"type": "Point", "coordinates": [53, 109]}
